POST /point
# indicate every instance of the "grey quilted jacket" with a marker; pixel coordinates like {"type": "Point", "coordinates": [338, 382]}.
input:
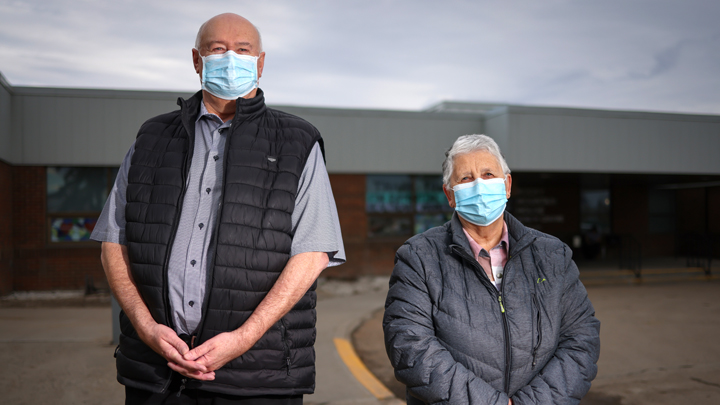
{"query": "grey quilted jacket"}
{"type": "Point", "coordinates": [453, 338]}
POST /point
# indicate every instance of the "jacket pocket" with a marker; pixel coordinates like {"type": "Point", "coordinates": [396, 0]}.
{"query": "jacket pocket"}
{"type": "Point", "coordinates": [537, 333]}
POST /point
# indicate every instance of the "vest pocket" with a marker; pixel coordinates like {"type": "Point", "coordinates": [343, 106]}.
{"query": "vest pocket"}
{"type": "Point", "coordinates": [285, 344]}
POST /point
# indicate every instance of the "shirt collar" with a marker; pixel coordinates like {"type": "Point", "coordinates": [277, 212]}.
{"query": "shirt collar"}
{"type": "Point", "coordinates": [205, 113]}
{"type": "Point", "coordinates": [476, 248]}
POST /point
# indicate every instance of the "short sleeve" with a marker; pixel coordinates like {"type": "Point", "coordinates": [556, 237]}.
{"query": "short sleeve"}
{"type": "Point", "coordinates": [110, 227]}
{"type": "Point", "coordinates": [315, 223]}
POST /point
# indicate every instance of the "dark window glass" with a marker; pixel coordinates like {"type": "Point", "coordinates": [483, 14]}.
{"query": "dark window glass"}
{"type": "Point", "coordinates": [429, 196]}
{"type": "Point", "coordinates": [661, 211]}
{"type": "Point", "coordinates": [390, 225]}
{"type": "Point", "coordinates": [595, 211]}
{"type": "Point", "coordinates": [423, 222]}
{"type": "Point", "coordinates": [76, 189]}
{"type": "Point", "coordinates": [71, 229]}
{"type": "Point", "coordinates": [388, 194]}
{"type": "Point", "coordinates": [75, 198]}
{"type": "Point", "coordinates": [403, 205]}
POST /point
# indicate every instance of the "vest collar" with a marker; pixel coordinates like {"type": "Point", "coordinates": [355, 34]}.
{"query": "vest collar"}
{"type": "Point", "coordinates": [244, 107]}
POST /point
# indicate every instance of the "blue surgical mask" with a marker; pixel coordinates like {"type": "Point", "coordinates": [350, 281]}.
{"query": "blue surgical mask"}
{"type": "Point", "coordinates": [229, 76]}
{"type": "Point", "coordinates": [481, 202]}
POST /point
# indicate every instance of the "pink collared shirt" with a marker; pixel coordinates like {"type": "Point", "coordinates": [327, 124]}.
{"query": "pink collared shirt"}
{"type": "Point", "coordinates": [494, 260]}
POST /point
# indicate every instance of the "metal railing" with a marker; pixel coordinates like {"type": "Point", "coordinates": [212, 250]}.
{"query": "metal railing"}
{"type": "Point", "coordinates": [698, 251]}
{"type": "Point", "coordinates": [630, 255]}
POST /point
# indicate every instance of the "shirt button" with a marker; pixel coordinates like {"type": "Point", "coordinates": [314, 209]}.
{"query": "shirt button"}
{"type": "Point", "coordinates": [207, 190]}
{"type": "Point", "coordinates": [201, 226]}
{"type": "Point", "coordinates": [192, 262]}
{"type": "Point", "coordinates": [191, 303]}
{"type": "Point", "coordinates": [216, 157]}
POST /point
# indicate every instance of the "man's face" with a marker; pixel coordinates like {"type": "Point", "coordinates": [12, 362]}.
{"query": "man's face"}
{"type": "Point", "coordinates": [469, 167]}
{"type": "Point", "coordinates": [228, 32]}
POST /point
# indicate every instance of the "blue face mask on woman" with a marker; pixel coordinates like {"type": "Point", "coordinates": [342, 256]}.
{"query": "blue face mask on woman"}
{"type": "Point", "coordinates": [228, 75]}
{"type": "Point", "coordinates": [481, 202]}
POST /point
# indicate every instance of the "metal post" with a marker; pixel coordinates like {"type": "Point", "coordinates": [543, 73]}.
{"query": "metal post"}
{"type": "Point", "coordinates": [115, 320]}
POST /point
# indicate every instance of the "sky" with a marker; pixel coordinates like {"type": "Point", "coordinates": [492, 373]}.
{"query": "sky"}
{"type": "Point", "coordinates": [649, 55]}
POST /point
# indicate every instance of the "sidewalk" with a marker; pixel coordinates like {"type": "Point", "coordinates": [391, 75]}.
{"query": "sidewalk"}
{"type": "Point", "coordinates": [659, 346]}
{"type": "Point", "coordinates": [64, 355]}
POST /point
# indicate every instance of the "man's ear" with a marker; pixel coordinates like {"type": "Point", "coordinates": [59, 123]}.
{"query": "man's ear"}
{"type": "Point", "coordinates": [197, 60]}
{"type": "Point", "coordinates": [261, 64]}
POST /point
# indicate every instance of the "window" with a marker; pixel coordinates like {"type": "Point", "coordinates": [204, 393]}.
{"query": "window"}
{"type": "Point", "coordinates": [595, 211]}
{"type": "Point", "coordinates": [75, 198]}
{"type": "Point", "coordinates": [661, 211]}
{"type": "Point", "coordinates": [403, 205]}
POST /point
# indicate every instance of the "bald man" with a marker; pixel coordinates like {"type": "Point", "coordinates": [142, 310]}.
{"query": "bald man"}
{"type": "Point", "coordinates": [220, 221]}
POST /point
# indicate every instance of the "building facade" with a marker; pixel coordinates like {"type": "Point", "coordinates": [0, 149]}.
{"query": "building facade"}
{"type": "Point", "coordinates": [602, 181]}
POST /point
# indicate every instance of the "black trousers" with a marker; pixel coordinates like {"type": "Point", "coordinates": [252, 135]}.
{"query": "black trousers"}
{"type": "Point", "coordinates": [175, 396]}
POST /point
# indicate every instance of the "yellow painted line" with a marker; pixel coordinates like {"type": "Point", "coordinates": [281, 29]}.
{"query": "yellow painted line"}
{"type": "Point", "coordinates": [358, 369]}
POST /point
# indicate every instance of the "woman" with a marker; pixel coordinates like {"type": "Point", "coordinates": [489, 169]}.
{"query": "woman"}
{"type": "Point", "coordinates": [484, 310]}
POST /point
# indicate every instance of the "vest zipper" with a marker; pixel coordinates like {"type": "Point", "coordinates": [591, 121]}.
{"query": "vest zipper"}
{"type": "Point", "coordinates": [214, 239]}
{"type": "Point", "coordinates": [173, 233]}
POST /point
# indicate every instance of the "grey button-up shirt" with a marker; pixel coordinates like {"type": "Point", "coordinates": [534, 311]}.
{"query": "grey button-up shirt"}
{"type": "Point", "coordinates": [188, 258]}
{"type": "Point", "coordinates": [315, 223]}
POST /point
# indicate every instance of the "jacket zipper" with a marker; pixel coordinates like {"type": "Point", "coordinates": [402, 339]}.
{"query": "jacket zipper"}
{"type": "Point", "coordinates": [539, 331]}
{"type": "Point", "coordinates": [506, 332]}
{"type": "Point", "coordinates": [506, 328]}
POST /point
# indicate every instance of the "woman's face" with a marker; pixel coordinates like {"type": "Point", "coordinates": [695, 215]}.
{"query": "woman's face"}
{"type": "Point", "coordinates": [469, 167]}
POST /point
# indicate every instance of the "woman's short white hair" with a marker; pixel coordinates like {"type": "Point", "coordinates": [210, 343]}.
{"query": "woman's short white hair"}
{"type": "Point", "coordinates": [468, 144]}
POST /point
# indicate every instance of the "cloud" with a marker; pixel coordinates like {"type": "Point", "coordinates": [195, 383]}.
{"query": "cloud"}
{"type": "Point", "coordinates": [641, 54]}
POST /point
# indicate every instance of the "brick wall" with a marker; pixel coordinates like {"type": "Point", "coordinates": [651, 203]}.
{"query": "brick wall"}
{"type": "Point", "coordinates": [37, 264]}
{"type": "Point", "coordinates": [6, 227]}
{"type": "Point", "coordinates": [364, 256]}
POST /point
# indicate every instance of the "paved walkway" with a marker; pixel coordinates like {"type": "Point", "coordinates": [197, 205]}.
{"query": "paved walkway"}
{"type": "Point", "coordinates": [65, 356]}
{"type": "Point", "coordinates": [659, 346]}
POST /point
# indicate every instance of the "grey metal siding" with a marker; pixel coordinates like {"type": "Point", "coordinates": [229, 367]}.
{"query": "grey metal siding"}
{"type": "Point", "coordinates": [76, 127]}
{"type": "Point", "coordinates": [360, 141]}
{"type": "Point", "coordinates": [5, 121]}
{"type": "Point", "coordinates": [90, 129]}
{"type": "Point", "coordinates": [661, 143]}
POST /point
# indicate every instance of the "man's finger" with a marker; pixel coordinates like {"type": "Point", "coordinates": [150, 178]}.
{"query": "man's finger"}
{"type": "Point", "coordinates": [169, 336]}
{"type": "Point", "coordinates": [189, 365]}
{"type": "Point", "coordinates": [179, 345]}
{"type": "Point", "coordinates": [197, 352]}
{"type": "Point", "coordinates": [205, 376]}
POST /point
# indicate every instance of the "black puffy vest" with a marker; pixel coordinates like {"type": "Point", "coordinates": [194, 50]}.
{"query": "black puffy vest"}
{"type": "Point", "coordinates": [265, 154]}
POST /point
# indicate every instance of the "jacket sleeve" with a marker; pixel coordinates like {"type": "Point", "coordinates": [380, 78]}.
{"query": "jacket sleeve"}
{"type": "Point", "coordinates": [566, 378]}
{"type": "Point", "coordinates": [420, 360]}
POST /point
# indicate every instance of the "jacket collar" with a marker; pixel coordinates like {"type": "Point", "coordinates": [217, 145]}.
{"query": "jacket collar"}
{"type": "Point", "coordinates": [518, 234]}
